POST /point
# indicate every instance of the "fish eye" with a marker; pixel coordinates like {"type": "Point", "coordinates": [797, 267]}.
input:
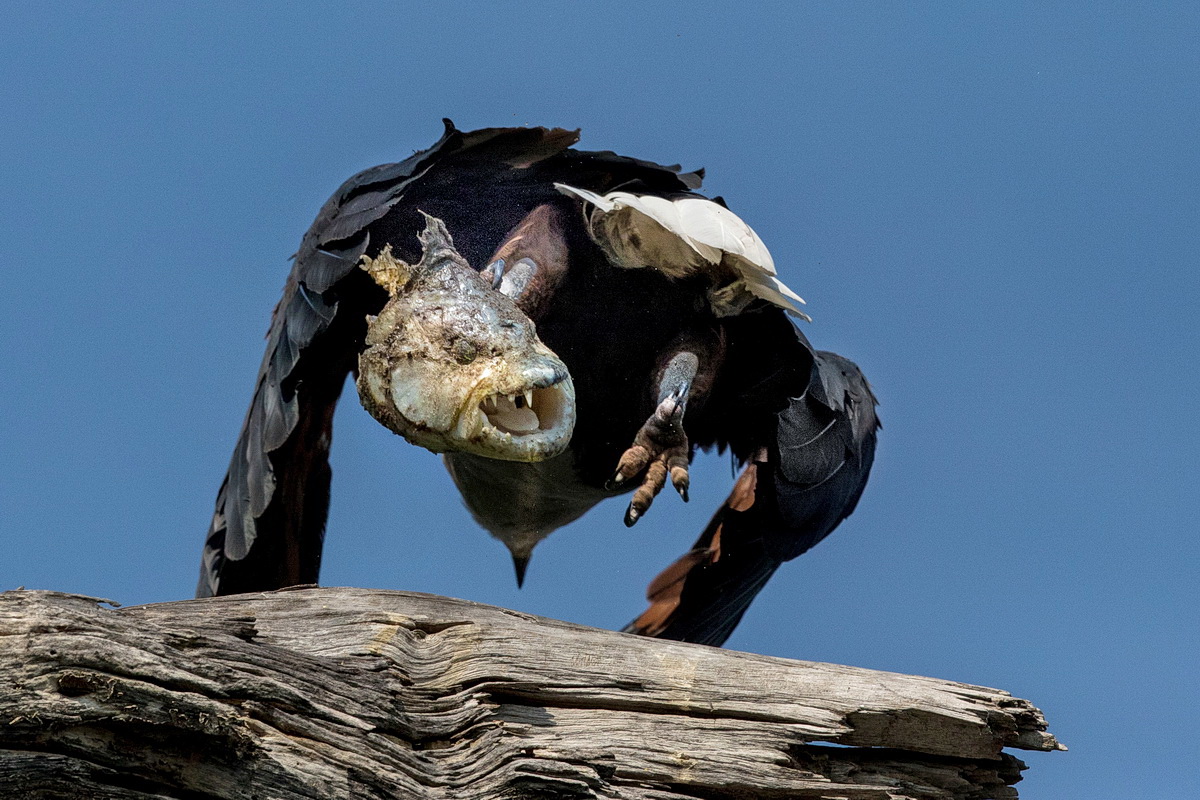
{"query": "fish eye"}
{"type": "Point", "coordinates": [464, 352]}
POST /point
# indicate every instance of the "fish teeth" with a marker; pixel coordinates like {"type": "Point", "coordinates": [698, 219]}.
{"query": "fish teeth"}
{"type": "Point", "coordinates": [493, 403]}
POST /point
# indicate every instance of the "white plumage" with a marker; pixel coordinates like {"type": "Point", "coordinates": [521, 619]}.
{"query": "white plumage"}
{"type": "Point", "coordinates": [682, 237]}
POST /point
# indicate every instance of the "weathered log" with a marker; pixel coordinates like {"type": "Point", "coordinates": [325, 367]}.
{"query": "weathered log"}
{"type": "Point", "coordinates": [352, 693]}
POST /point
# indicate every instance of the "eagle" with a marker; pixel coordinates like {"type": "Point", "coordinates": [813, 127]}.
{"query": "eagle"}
{"type": "Point", "coordinates": [564, 326]}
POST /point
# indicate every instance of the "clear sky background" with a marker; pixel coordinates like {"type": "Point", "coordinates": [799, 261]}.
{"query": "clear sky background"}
{"type": "Point", "coordinates": [992, 208]}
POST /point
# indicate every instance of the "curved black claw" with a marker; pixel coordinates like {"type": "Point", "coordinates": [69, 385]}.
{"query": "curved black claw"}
{"type": "Point", "coordinates": [493, 273]}
{"type": "Point", "coordinates": [660, 450]}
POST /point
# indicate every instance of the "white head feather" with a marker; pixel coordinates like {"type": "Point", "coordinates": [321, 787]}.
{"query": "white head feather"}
{"type": "Point", "coordinates": [684, 236]}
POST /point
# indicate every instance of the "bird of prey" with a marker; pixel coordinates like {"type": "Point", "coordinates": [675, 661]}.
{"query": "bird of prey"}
{"type": "Point", "coordinates": [565, 326]}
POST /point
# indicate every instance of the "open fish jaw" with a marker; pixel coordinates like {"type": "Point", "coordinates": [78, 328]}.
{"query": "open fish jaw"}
{"type": "Point", "coordinates": [532, 423]}
{"type": "Point", "coordinates": [454, 366]}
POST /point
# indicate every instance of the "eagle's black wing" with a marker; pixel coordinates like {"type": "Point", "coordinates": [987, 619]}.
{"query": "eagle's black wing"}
{"type": "Point", "coordinates": [804, 479]}
{"type": "Point", "coordinates": [268, 526]}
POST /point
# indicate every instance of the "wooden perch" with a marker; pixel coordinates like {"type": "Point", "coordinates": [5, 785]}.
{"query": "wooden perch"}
{"type": "Point", "coordinates": [352, 693]}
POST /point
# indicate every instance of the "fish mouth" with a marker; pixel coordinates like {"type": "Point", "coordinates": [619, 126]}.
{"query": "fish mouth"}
{"type": "Point", "coordinates": [531, 419]}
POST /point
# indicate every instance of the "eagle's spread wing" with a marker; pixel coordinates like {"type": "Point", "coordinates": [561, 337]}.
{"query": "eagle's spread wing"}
{"type": "Point", "coordinates": [793, 492]}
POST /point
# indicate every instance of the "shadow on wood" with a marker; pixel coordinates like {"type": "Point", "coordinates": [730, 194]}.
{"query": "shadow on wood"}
{"type": "Point", "coordinates": [354, 693]}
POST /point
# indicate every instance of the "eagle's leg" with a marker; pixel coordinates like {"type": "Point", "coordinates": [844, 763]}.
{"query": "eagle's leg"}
{"type": "Point", "coordinates": [512, 281]}
{"type": "Point", "coordinates": [493, 273]}
{"type": "Point", "coordinates": [661, 448]}
{"type": "Point", "coordinates": [531, 262]}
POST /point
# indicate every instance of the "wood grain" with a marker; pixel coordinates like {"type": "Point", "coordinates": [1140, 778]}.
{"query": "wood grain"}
{"type": "Point", "coordinates": [355, 693]}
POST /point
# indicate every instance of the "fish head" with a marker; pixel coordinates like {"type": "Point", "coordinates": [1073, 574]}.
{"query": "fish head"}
{"type": "Point", "coordinates": [452, 365]}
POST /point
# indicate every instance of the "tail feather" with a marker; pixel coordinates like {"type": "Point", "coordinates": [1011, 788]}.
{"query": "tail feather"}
{"type": "Point", "coordinates": [791, 495]}
{"type": "Point", "coordinates": [702, 596]}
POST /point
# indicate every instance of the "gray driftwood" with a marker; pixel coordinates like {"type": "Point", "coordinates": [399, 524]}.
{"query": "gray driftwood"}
{"type": "Point", "coordinates": [351, 693]}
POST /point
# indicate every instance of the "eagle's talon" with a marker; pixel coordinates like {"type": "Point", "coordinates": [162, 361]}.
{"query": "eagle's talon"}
{"type": "Point", "coordinates": [517, 278]}
{"type": "Point", "coordinates": [678, 465]}
{"type": "Point", "coordinates": [660, 450]}
{"type": "Point", "coordinates": [493, 273]}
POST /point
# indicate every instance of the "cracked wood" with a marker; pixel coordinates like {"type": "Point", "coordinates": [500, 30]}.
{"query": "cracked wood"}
{"type": "Point", "coordinates": [354, 693]}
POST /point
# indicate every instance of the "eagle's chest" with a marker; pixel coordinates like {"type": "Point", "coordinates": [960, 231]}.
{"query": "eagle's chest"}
{"type": "Point", "coordinates": [522, 503]}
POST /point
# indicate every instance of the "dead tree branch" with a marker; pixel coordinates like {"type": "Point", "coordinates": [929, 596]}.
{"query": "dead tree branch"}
{"type": "Point", "coordinates": [352, 693]}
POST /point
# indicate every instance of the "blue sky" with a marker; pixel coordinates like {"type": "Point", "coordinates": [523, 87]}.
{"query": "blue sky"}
{"type": "Point", "coordinates": [992, 208]}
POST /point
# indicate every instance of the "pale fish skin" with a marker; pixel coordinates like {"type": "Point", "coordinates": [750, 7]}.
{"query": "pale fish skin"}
{"type": "Point", "coordinates": [453, 365]}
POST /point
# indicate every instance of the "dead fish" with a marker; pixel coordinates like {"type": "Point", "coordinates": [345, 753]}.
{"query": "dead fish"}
{"type": "Point", "coordinates": [453, 365]}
